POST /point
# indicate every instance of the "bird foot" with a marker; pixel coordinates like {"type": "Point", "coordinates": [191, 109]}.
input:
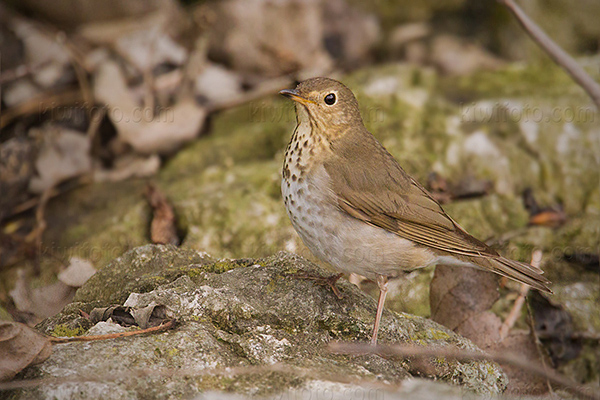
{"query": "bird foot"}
{"type": "Point", "coordinates": [324, 281]}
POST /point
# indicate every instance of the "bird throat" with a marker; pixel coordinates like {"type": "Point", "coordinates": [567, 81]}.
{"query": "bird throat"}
{"type": "Point", "coordinates": [305, 145]}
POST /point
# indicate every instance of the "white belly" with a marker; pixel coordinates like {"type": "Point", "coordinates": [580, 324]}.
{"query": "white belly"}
{"type": "Point", "coordinates": [348, 244]}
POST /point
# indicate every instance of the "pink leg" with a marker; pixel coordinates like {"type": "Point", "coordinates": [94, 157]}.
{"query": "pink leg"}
{"type": "Point", "coordinates": [382, 282]}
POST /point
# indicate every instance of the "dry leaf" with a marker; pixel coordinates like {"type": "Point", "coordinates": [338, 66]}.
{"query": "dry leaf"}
{"type": "Point", "coordinates": [129, 166]}
{"type": "Point", "coordinates": [461, 299]}
{"type": "Point", "coordinates": [42, 302]}
{"type": "Point", "coordinates": [460, 293]}
{"type": "Point", "coordinates": [20, 347]}
{"type": "Point", "coordinates": [552, 217]}
{"type": "Point", "coordinates": [162, 229]}
{"type": "Point", "coordinates": [42, 49]}
{"type": "Point", "coordinates": [290, 36]}
{"type": "Point", "coordinates": [77, 273]}
{"type": "Point", "coordinates": [148, 48]}
{"type": "Point", "coordinates": [148, 131]}
{"type": "Point", "coordinates": [145, 317]}
{"type": "Point", "coordinates": [217, 84]}
{"type": "Point", "coordinates": [64, 154]}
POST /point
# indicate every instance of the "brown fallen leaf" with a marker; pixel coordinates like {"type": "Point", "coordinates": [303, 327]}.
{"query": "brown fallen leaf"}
{"type": "Point", "coordinates": [458, 293]}
{"type": "Point", "coordinates": [35, 304]}
{"type": "Point", "coordinates": [20, 347]}
{"type": "Point", "coordinates": [552, 217]}
{"type": "Point", "coordinates": [461, 299]}
{"type": "Point", "coordinates": [162, 229]}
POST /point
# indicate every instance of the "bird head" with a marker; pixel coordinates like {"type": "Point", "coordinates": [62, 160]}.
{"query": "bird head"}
{"type": "Point", "coordinates": [325, 102]}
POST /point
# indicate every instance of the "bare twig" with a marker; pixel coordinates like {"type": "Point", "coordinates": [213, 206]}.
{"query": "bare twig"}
{"type": "Point", "coordinates": [78, 64]}
{"type": "Point", "coordinates": [20, 72]}
{"type": "Point", "coordinates": [592, 336]}
{"type": "Point", "coordinates": [162, 327]}
{"type": "Point", "coordinates": [513, 315]}
{"type": "Point", "coordinates": [538, 344]}
{"type": "Point", "coordinates": [264, 89]}
{"type": "Point", "coordinates": [560, 57]}
{"type": "Point", "coordinates": [462, 355]}
{"type": "Point", "coordinates": [40, 103]}
{"type": "Point", "coordinates": [95, 121]}
{"type": "Point", "coordinates": [35, 236]}
{"type": "Point", "coordinates": [33, 202]}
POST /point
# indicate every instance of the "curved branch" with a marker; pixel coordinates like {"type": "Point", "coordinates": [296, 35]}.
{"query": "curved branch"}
{"type": "Point", "coordinates": [560, 57]}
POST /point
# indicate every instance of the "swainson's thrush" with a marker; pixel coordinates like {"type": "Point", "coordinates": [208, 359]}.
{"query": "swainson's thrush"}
{"type": "Point", "coordinates": [356, 208]}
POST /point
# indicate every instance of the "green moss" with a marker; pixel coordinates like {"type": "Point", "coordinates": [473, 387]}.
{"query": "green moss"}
{"type": "Point", "coordinates": [270, 288]}
{"type": "Point", "coordinates": [429, 335]}
{"type": "Point", "coordinates": [226, 265]}
{"type": "Point", "coordinates": [63, 330]}
{"type": "Point", "coordinates": [172, 352]}
{"type": "Point", "coordinates": [195, 272]}
{"type": "Point", "coordinates": [542, 79]}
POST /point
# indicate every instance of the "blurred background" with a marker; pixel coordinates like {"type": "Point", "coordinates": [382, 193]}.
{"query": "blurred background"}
{"type": "Point", "coordinates": [125, 123]}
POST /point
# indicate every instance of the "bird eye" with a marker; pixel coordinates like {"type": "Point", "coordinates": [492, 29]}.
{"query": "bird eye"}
{"type": "Point", "coordinates": [330, 99]}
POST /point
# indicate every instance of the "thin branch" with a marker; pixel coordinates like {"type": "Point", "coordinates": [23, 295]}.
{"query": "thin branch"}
{"type": "Point", "coordinates": [463, 355]}
{"type": "Point", "coordinates": [560, 57]}
{"type": "Point", "coordinates": [42, 102]}
{"type": "Point", "coordinates": [162, 327]}
{"type": "Point", "coordinates": [513, 315]}
{"type": "Point", "coordinates": [263, 89]}
{"type": "Point", "coordinates": [20, 72]}
{"type": "Point", "coordinates": [538, 345]}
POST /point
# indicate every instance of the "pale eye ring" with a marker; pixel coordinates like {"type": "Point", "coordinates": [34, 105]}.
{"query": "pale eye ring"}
{"type": "Point", "coordinates": [330, 99]}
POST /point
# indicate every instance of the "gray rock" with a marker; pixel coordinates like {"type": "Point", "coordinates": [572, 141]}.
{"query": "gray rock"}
{"type": "Point", "coordinates": [244, 326]}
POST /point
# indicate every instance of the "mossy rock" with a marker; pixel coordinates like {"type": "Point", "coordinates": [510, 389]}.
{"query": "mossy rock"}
{"type": "Point", "coordinates": [247, 315]}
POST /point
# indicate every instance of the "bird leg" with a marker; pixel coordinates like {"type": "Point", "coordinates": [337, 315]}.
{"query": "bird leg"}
{"type": "Point", "coordinates": [319, 280]}
{"type": "Point", "coordinates": [382, 282]}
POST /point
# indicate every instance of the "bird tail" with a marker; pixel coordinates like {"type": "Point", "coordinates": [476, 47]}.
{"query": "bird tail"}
{"type": "Point", "coordinates": [516, 270]}
{"type": "Point", "coordinates": [519, 271]}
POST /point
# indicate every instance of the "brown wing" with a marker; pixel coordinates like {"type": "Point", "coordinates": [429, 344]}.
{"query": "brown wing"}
{"type": "Point", "coordinates": [370, 185]}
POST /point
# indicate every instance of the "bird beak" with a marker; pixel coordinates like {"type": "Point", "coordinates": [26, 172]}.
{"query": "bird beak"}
{"type": "Point", "coordinates": [293, 95]}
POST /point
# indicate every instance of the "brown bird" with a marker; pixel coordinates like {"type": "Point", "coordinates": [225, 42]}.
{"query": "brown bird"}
{"type": "Point", "coordinates": [356, 208]}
